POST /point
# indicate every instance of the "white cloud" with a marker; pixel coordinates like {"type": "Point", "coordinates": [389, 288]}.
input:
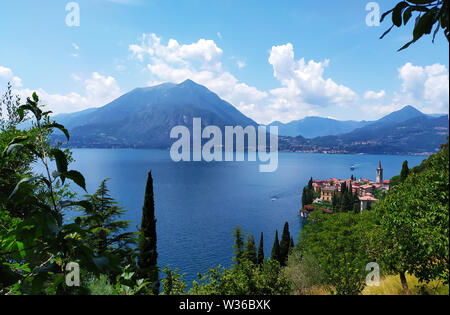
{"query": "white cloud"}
{"type": "Point", "coordinates": [424, 87]}
{"type": "Point", "coordinates": [241, 64]}
{"type": "Point", "coordinates": [98, 91]}
{"type": "Point", "coordinates": [200, 62]}
{"type": "Point", "coordinates": [75, 77]}
{"type": "Point", "coordinates": [427, 87]}
{"type": "Point", "coordinates": [304, 89]}
{"type": "Point", "coordinates": [372, 95]}
{"type": "Point", "coordinates": [6, 75]}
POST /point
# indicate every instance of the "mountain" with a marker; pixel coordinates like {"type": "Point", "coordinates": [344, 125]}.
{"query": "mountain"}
{"type": "Point", "coordinates": [311, 127]}
{"type": "Point", "coordinates": [404, 114]}
{"type": "Point", "coordinates": [144, 117]}
{"type": "Point", "coordinates": [407, 131]}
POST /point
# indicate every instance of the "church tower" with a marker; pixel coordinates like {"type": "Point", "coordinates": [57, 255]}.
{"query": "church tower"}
{"type": "Point", "coordinates": [379, 174]}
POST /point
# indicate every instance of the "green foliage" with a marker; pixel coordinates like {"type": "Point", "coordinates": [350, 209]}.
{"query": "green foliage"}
{"type": "Point", "coordinates": [244, 279]}
{"type": "Point", "coordinates": [275, 255]}
{"type": "Point", "coordinates": [429, 14]}
{"type": "Point", "coordinates": [250, 250]}
{"type": "Point", "coordinates": [100, 286]}
{"type": "Point", "coordinates": [9, 103]}
{"type": "Point", "coordinates": [35, 242]}
{"type": "Point", "coordinates": [238, 244]}
{"type": "Point", "coordinates": [339, 245]}
{"type": "Point", "coordinates": [173, 283]}
{"type": "Point", "coordinates": [414, 218]}
{"type": "Point", "coordinates": [106, 232]}
{"type": "Point", "coordinates": [261, 250]}
{"type": "Point", "coordinates": [148, 255]}
{"type": "Point", "coordinates": [307, 196]}
{"type": "Point", "coordinates": [405, 171]}
{"type": "Point", "coordinates": [285, 244]}
{"type": "Point", "coordinates": [304, 272]}
{"type": "Point", "coordinates": [126, 284]}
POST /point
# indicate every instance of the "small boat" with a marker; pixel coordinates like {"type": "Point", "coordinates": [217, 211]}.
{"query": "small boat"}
{"type": "Point", "coordinates": [352, 168]}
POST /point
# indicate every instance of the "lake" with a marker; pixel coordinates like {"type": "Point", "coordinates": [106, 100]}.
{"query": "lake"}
{"type": "Point", "coordinates": [199, 204]}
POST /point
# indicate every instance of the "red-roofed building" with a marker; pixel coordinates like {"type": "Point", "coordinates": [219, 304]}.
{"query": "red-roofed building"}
{"type": "Point", "coordinates": [364, 188]}
{"type": "Point", "coordinates": [307, 210]}
{"type": "Point", "coordinates": [367, 201]}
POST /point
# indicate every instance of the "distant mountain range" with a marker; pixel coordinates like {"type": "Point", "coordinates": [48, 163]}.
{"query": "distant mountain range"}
{"type": "Point", "coordinates": [144, 117]}
{"type": "Point", "coordinates": [407, 131]}
{"type": "Point", "coordinates": [312, 127]}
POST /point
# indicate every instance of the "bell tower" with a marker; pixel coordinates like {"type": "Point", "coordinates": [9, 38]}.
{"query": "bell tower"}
{"type": "Point", "coordinates": [379, 174]}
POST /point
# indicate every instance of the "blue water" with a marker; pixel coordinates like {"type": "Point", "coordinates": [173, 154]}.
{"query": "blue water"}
{"type": "Point", "coordinates": [199, 204]}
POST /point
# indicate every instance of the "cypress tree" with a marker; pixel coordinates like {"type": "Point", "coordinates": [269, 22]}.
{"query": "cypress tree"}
{"type": "Point", "coordinates": [310, 184]}
{"type": "Point", "coordinates": [405, 171]}
{"type": "Point", "coordinates": [238, 244]}
{"type": "Point", "coordinates": [250, 250]}
{"type": "Point", "coordinates": [335, 203]}
{"type": "Point", "coordinates": [284, 244]}
{"type": "Point", "coordinates": [148, 255]}
{"type": "Point", "coordinates": [343, 188]}
{"type": "Point", "coordinates": [276, 248]}
{"type": "Point", "coordinates": [310, 196]}
{"type": "Point", "coordinates": [347, 202]}
{"type": "Point", "coordinates": [304, 201]}
{"type": "Point", "coordinates": [261, 250]}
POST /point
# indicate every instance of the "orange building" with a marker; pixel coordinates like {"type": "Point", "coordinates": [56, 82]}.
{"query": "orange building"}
{"type": "Point", "coordinates": [327, 193]}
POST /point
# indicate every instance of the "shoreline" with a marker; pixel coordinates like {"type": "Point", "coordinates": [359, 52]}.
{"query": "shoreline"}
{"type": "Point", "coordinates": [280, 151]}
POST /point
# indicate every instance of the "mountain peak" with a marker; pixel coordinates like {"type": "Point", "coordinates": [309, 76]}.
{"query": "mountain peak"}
{"type": "Point", "coordinates": [189, 82]}
{"type": "Point", "coordinates": [404, 114]}
{"type": "Point", "coordinates": [410, 108]}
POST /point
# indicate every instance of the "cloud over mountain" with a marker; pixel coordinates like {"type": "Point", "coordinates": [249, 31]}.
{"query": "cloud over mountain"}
{"type": "Point", "coordinates": [98, 90]}
{"type": "Point", "coordinates": [200, 61]}
{"type": "Point", "coordinates": [304, 87]}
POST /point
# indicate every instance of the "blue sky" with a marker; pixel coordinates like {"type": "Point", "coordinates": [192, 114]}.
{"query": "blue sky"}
{"type": "Point", "coordinates": [273, 60]}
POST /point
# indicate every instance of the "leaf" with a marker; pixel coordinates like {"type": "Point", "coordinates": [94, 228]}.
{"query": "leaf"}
{"type": "Point", "coordinates": [60, 127]}
{"type": "Point", "coordinates": [31, 106]}
{"type": "Point", "coordinates": [61, 162]}
{"type": "Point", "coordinates": [436, 31]}
{"type": "Point", "coordinates": [21, 111]}
{"type": "Point", "coordinates": [83, 203]}
{"type": "Point", "coordinates": [424, 25]}
{"type": "Point", "coordinates": [32, 102]}
{"type": "Point", "coordinates": [397, 13]}
{"type": "Point", "coordinates": [77, 177]}
{"type": "Point", "coordinates": [407, 15]}
{"type": "Point", "coordinates": [12, 148]}
{"type": "Point", "coordinates": [14, 145]}
{"type": "Point", "coordinates": [35, 97]}
{"type": "Point", "coordinates": [19, 184]}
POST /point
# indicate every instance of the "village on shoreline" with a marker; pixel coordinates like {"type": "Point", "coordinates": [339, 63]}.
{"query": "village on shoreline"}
{"type": "Point", "coordinates": [325, 193]}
